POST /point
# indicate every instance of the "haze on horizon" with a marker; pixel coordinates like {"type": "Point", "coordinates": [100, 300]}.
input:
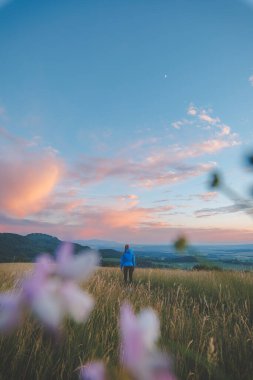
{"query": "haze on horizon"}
{"type": "Point", "coordinates": [113, 114]}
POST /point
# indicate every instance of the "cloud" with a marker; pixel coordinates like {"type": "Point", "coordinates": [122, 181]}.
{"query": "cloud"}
{"type": "Point", "coordinates": [156, 165]}
{"type": "Point", "coordinates": [221, 135]}
{"type": "Point", "coordinates": [192, 110]}
{"type": "Point", "coordinates": [211, 146]}
{"type": "Point", "coordinates": [130, 199]}
{"type": "Point", "coordinates": [153, 171]}
{"type": "Point", "coordinates": [205, 212]}
{"type": "Point", "coordinates": [26, 181]}
{"type": "Point", "coordinates": [150, 233]}
{"type": "Point", "coordinates": [204, 116]}
{"type": "Point", "coordinates": [203, 119]}
{"type": "Point", "coordinates": [19, 142]}
{"type": "Point", "coordinates": [178, 124]}
{"type": "Point", "coordinates": [27, 176]}
{"type": "Point", "coordinates": [208, 196]}
{"type": "Point", "coordinates": [225, 130]}
{"type": "Point", "coordinates": [251, 77]}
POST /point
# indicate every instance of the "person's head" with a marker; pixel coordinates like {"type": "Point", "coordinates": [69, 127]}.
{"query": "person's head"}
{"type": "Point", "coordinates": [126, 247]}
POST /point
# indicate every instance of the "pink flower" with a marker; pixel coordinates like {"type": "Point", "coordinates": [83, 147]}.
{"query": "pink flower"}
{"type": "Point", "coordinates": [139, 354]}
{"type": "Point", "coordinates": [52, 292]}
{"type": "Point", "coordinates": [93, 371]}
{"type": "Point", "coordinates": [75, 267]}
{"type": "Point", "coordinates": [10, 311]}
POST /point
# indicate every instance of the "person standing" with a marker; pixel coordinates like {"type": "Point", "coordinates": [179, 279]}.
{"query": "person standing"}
{"type": "Point", "coordinates": [127, 264]}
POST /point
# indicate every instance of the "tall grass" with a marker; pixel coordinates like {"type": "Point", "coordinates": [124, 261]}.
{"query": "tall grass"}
{"type": "Point", "coordinates": [206, 325]}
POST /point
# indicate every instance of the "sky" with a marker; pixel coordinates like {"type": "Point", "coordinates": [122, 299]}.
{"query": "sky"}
{"type": "Point", "coordinates": [113, 115]}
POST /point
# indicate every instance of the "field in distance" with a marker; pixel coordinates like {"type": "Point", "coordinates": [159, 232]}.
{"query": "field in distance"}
{"type": "Point", "coordinates": [195, 309]}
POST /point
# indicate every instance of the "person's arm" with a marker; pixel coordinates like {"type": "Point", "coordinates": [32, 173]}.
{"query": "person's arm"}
{"type": "Point", "coordinates": [134, 263]}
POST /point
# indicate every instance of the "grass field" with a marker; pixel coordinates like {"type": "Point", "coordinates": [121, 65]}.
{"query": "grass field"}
{"type": "Point", "coordinates": [206, 324]}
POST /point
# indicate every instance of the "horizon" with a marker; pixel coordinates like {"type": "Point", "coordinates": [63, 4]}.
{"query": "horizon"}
{"type": "Point", "coordinates": [113, 117]}
{"type": "Point", "coordinates": [169, 244]}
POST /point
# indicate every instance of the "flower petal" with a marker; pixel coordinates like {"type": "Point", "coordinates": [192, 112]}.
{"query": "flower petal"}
{"type": "Point", "coordinates": [132, 349]}
{"type": "Point", "coordinates": [93, 371]}
{"type": "Point", "coordinates": [78, 267]}
{"type": "Point", "coordinates": [149, 326]}
{"type": "Point", "coordinates": [10, 311]}
{"type": "Point", "coordinates": [78, 304]}
{"type": "Point", "coordinates": [47, 305]}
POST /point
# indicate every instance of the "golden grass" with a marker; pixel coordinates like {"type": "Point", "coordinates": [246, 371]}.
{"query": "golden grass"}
{"type": "Point", "coordinates": [206, 324]}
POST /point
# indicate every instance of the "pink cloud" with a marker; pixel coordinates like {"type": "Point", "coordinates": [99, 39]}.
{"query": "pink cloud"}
{"type": "Point", "coordinates": [211, 146]}
{"type": "Point", "coordinates": [208, 196]}
{"type": "Point", "coordinates": [26, 181]}
{"type": "Point", "coordinates": [27, 176]}
{"type": "Point", "coordinates": [157, 170]}
{"type": "Point", "coordinates": [151, 232]}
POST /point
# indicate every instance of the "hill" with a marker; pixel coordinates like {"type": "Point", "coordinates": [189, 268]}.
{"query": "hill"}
{"type": "Point", "coordinates": [17, 248]}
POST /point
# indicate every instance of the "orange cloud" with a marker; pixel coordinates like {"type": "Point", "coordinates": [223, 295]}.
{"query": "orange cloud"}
{"type": "Point", "coordinates": [26, 181]}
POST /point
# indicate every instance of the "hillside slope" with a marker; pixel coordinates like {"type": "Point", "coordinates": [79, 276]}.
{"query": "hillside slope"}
{"type": "Point", "coordinates": [18, 248]}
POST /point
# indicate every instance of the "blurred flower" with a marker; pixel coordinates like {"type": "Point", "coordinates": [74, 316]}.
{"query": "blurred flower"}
{"type": "Point", "coordinates": [93, 371]}
{"type": "Point", "coordinates": [181, 244]}
{"type": "Point", "coordinates": [215, 180]}
{"type": "Point", "coordinates": [10, 311]}
{"type": "Point", "coordinates": [139, 354]}
{"type": "Point", "coordinates": [249, 160]}
{"type": "Point", "coordinates": [51, 292]}
{"type": "Point", "coordinates": [77, 268]}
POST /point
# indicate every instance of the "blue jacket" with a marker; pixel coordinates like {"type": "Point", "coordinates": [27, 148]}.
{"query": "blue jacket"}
{"type": "Point", "coordinates": [127, 259]}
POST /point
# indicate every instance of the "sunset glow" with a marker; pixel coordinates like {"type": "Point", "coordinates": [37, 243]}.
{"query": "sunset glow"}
{"type": "Point", "coordinates": [110, 128]}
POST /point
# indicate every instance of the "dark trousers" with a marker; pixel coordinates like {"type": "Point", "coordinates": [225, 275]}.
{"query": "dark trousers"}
{"type": "Point", "coordinates": [128, 273]}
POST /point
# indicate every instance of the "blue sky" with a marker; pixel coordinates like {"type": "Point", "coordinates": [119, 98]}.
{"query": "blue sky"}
{"type": "Point", "coordinates": [113, 114]}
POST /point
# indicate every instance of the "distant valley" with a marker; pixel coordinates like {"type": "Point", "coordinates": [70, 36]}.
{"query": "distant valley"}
{"type": "Point", "coordinates": [18, 248]}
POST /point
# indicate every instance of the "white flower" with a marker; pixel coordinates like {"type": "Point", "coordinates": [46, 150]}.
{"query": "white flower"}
{"type": "Point", "coordinates": [52, 292]}
{"type": "Point", "coordinates": [139, 354]}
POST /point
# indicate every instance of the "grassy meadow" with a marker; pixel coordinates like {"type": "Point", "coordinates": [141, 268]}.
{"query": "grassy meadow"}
{"type": "Point", "coordinates": [206, 325]}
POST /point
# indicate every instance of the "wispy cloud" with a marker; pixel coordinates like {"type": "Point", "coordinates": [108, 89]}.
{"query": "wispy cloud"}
{"type": "Point", "coordinates": [221, 135]}
{"type": "Point", "coordinates": [181, 123]}
{"type": "Point", "coordinates": [96, 226]}
{"type": "Point", "coordinates": [207, 118]}
{"type": "Point", "coordinates": [208, 196]}
{"type": "Point", "coordinates": [18, 141]}
{"type": "Point", "coordinates": [205, 212]}
{"type": "Point", "coordinates": [158, 166]}
{"type": "Point", "coordinates": [147, 173]}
